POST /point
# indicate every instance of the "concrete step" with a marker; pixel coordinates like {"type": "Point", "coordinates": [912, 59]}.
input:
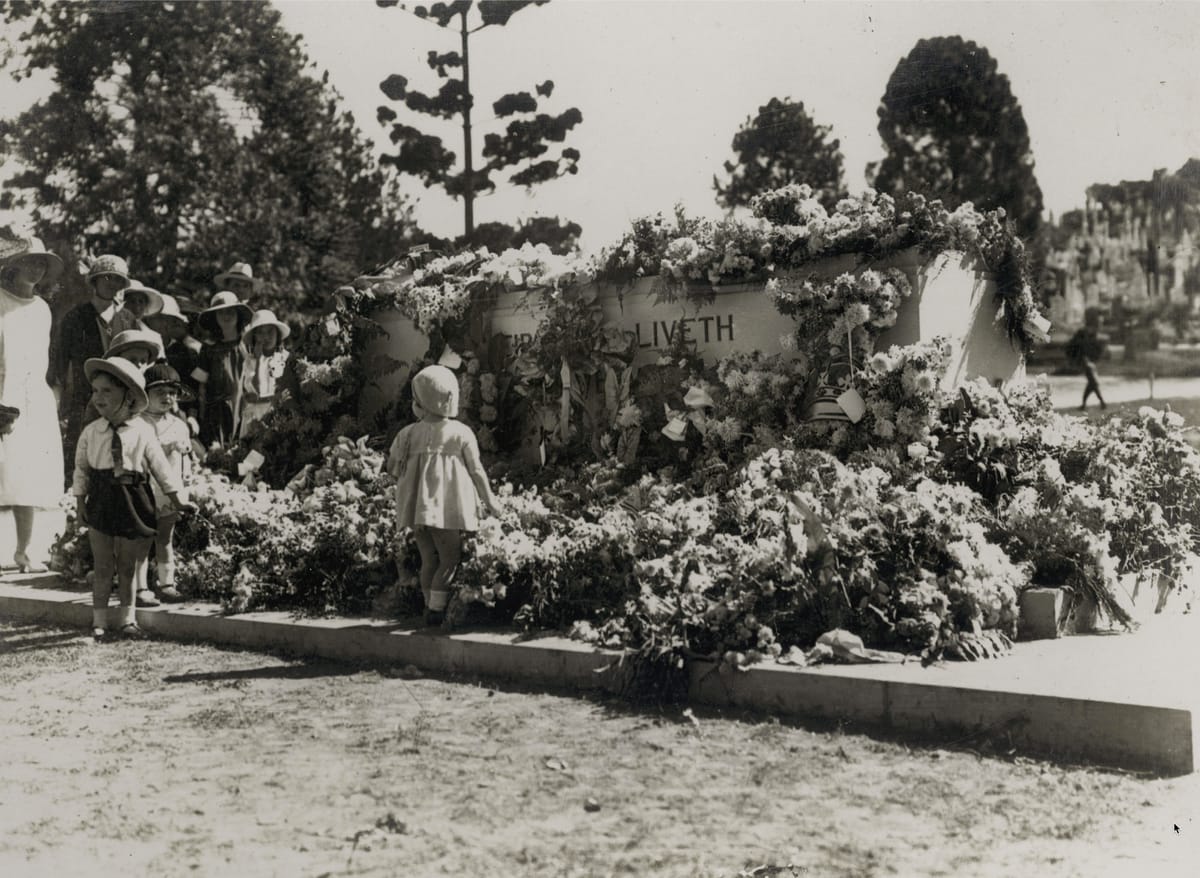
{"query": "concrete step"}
{"type": "Point", "coordinates": [1125, 701]}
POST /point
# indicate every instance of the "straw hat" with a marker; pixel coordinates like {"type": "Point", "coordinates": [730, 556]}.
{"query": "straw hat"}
{"type": "Point", "coordinates": [33, 248]}
{"type": "Point", "coordinates": [237, 271]}
{"type": "Point", "coordinates": [220, 302]}
{"type": "Point", "coordinates": [136, 338]}
{"type": "Point", "coordinates": [108, 264]}
{"type": "Point", "coordinates": [129, 375]}
{"type": "Point", "coordinates": [435, 389]}
{"type": "Point", "coordinates": [170, 308]}
{"type": "Point", "coordinates": [154, 296]}
{"type": "Point", "coordinates": [266, 317]}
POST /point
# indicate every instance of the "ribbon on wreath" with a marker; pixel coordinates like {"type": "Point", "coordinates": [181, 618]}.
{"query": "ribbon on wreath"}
{"type": "Point", "coordinates": [564, 403]}
{"type": "Point", "coordinates": [849, 399]}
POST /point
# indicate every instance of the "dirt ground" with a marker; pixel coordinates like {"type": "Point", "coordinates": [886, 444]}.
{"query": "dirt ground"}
{"type": "Point", "coordinates": [164, 759]}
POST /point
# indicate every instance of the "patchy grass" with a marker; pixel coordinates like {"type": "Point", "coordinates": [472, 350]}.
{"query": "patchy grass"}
{"type": "Point", "coordinates": [165, 759]}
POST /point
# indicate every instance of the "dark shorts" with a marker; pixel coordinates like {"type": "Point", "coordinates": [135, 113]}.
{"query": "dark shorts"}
{"type": "Point", "coordinates": [120, 506]}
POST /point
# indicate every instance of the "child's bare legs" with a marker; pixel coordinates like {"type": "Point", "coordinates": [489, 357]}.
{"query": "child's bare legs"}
{"type": "Point", "coordinates": [141, 574]}
{"type": "Point", "coordinates": [448, 544]}
{"type": "Point", "coordinates": [164, 557]}
{"type": "Point", "coordinates": [131, 562]}
{"type": "Point", "coordinates": [429, 559]}
{"type": "Point", "coordinates": [104, 556]}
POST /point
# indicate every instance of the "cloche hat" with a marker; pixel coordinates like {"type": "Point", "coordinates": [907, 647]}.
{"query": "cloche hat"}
{"type": "Point", "coordinates": [108, 264]}
{"type": "Point", "coordinates": [33, 248]}
{"type": "Point", "coordinates": [136, 338]}
{"type": "Point", "coordinates": [165, 375]}
{"type": "Point", "coordinates": [266, 317]}
{"type": "Point", "coordinates": [220, 302]}
{"type": "Point", "coordinates": [154, 296]}
{"type": "Point", "coordinates": [237, 271]}
{"type": "Point", "coordinates": [435, 389]}
{"type": "Point", "coordinates": [123, 371]}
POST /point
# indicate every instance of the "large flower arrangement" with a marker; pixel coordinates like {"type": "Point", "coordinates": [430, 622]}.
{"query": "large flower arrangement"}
{"type": "Point", "coordinates": [847, 312]}
{"type": "Point", "coordinates": [691, 510]}
{"type": "Point", "coordinates": [800, 544]}
{"type": "Point", "coordinates": [791, 229]}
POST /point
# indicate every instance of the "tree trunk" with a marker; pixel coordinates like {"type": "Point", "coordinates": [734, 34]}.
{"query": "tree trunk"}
{"type": "Point", "coordinates": [468, 166]}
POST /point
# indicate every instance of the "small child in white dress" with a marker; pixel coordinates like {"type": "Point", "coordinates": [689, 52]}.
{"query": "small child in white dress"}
{"type": "Point", "coordinates": [440, 484]}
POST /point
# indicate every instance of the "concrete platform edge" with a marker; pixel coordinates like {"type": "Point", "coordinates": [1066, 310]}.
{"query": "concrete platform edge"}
{"type": "Point", "coordinates": [1128, 736]}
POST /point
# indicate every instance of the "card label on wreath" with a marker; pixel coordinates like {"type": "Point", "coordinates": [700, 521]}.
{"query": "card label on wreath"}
{"type": "Point", "coordinates": [852, 404]}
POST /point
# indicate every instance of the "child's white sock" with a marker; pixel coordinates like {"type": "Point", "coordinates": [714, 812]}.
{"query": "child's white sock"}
{"type": "Point", "coordinates": [99, 618]}
{"type": "Point", "coordinates": [438, 600]}
{"type": "Point", "coordinates": [125, 616]}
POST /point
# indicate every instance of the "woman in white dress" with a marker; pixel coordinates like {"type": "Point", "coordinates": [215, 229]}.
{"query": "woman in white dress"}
{"type": "Point", "coordinates": [31, 461]}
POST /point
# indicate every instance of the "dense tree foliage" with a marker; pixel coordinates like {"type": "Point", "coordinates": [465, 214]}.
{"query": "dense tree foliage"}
{"type": "Point", "coordinates": [186, 136]}
{"type": "Point", "coordinates": [782, 145]}
{"type": "Point", "coordinates": [524, 147]}
{"type": "Point", "coordinates": [953, 130]}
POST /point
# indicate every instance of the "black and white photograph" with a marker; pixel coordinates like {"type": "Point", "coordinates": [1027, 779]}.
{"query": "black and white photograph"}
{"type": "Point", "coordinates": [596, 438]}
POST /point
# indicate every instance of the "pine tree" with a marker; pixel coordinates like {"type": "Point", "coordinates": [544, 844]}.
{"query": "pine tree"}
{"type": "Point", "coordinates": [779, 146]}
{"type": "Point", "coordinates": [525, 143]}
{"type": "Point", "coordinates": [954, 131]}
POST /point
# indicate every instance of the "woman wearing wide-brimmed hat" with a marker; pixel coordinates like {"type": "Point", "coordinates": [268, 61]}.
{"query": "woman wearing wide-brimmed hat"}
{"type": "Point", "coordinates": [31, 458]}
{"type": "Point", "coordinates": [220, 368]}
{"type": "Point", "coordinates": [83, 333]}
{"type": "Point", "coordinates": [265, 361]}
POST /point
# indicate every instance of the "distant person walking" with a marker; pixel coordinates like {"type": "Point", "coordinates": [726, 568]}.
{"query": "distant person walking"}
{"type": "Point", "coordinates": [1084, 349]}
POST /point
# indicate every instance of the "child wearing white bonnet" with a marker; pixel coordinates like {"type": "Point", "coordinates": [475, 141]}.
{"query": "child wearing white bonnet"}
{"type": "Point", "coordinates": [440, 484]}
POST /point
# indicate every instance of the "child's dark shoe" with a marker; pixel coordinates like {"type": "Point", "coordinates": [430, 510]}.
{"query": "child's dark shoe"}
{"type": "Point", "coordinates": [433, 618]}
{"type": "Point", "coordinates": [170, 594]}
{"type": "Point", "coordinates": [132, 632]}
{"type": "Point", "coordinates": [146, 598]}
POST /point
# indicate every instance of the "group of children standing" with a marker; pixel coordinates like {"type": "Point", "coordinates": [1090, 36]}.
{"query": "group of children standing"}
{"type": "Point", "coordinates": [153, 392]}
{"type": "Point", "coordinates": [126, 370]}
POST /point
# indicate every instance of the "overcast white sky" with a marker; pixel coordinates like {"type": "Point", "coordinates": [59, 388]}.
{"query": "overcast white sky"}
{"type": "Point", "coordinates": [1110, 91]}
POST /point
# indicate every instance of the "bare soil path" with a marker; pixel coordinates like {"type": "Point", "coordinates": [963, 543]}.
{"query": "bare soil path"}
{"type": "Point", "coordinates": [163, 759]}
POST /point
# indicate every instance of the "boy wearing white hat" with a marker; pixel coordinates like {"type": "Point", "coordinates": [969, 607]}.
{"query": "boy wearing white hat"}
{"type": "Point", "coordinates": [142, 347]}
{"type": "Point", "coordinates": [138, 302]}
{"type": "Point", "coordinates": [117, 455]}
{"type": "Point", "coordinates": [239, 280]}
